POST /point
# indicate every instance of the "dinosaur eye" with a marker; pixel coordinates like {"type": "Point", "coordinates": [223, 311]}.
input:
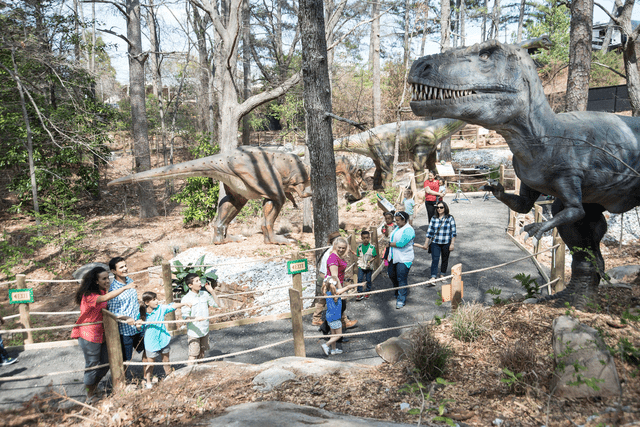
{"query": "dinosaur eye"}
{"type": "Point", "coordinates": [484, 55]}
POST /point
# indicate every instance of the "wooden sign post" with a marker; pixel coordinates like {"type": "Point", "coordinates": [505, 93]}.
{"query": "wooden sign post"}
{"type": "Point", "coordinates": [295, 303]}
{"type": "Point", "coordinates": [114, 349]}
{"type": "Point", "coordinates": [23, 308]}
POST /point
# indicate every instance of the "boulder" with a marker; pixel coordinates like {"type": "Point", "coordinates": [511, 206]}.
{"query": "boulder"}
{"type": "Point", "coordinates": [393, 349]}
{"type": "Point", "coordinates": [279, 414]}
{"type": "Point", "coordinates": [581, 357]}
{"type": "Point", "coordinates": [624, 273]}
{"type": "Point", "coordinates": [79, 273]}
{"type": "Point", "coordinates": [272, 378]}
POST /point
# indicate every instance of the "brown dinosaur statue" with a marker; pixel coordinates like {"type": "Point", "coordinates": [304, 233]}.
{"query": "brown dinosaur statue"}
{"type": "Point", "coordinates": [251, 173]}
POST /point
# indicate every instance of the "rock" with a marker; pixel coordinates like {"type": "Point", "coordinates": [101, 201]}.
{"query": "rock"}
{"type": "Point", "coordinates": [393, 349]}
{"type": "Point", "coordinates": [79, 273]}
{"type": "Point", "coordinates": [579, 344]}
{"type": "Point", "coordinates": [279, 414]}
{"type": "Point", "coordinates": [272, 378]}
{"type": "Point", "coordinates": [624, 273]}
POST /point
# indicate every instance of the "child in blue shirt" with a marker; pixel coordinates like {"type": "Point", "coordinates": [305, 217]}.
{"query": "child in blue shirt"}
{"type": "Point", "coordinates": [334, 311]}
{"type": "Point", "coordinates": [156, 336]}
{"type": "Point", "coordinates": [409, 204]}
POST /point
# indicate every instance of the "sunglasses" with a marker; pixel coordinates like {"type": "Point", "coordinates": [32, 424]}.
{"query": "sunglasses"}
{"type": "Point", "coordinates": [440, 207]}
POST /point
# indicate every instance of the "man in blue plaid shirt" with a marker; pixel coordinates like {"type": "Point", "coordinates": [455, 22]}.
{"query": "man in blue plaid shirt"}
{"type": "Point", "coordinates": [441, 236]}
{"type": "Point", "coordinates": [126, 304]}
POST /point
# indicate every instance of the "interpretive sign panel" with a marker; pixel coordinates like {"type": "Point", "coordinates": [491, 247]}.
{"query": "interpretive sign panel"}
{"type": "Point", "coordinates": [20, 296]}
{"type": "Point", "coordinates": [297, 266]}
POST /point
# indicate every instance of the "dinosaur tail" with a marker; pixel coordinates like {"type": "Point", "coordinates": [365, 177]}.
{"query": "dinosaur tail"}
{"type": "Point", "coordinates": [207, 166]}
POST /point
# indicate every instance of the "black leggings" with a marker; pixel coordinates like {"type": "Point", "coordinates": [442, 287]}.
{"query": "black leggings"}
{"type": "Point", "coordinates": [431, 209]}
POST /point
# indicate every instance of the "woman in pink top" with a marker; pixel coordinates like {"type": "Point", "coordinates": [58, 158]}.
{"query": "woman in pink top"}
{"type": "Point", "coordinates": [92, 297]}
{"type": "Point", "coordinates": [336, 267]}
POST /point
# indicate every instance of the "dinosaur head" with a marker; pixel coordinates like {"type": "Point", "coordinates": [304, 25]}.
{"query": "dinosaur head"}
{"type": "Point", "coordinates": [351, 178]}
{"type": "Point", "coordinates": [488, 84]}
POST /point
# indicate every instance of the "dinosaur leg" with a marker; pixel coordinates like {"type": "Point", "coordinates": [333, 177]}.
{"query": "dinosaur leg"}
{"type": "Point", "coordinates": [271, 209]}
{"type": "Point", "coordinates": [228, 209]}
{"type": "Point", "coordinates": [583, 239]}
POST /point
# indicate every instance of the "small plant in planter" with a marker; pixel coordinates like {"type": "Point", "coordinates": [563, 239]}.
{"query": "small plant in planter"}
{"type": "Point", "coordinates": [180, 288]}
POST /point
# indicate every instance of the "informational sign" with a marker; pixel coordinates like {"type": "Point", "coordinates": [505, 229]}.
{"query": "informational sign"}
{"type": "Point", "coordinates": [445, 169]}
{"type": "Point", "coordinates": [297, 266]}
{"type": "Point", "coordinates": [384, 204]}
{"type": "Point", "coordinates": [20, 296]}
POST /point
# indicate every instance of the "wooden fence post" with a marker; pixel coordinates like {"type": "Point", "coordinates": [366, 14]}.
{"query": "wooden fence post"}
{"type": "Point", "coordinates": [537, 217]}
{"type": "Point", "coordinates": [557, 266]}
{"type": "Point", "coordinates": [168, 293]}
{"type": "Point", "coordinates": [353, 245]}
{"type": "Point", "coordinates": [456, 286]}
{"type": "Point", "coordinates": [296, 322]}
{"type": "Point", "coordinates": [25, 318]}
{"type": "Point", "coordinates": [296, 278]}
{"type": "Point", "coordinates": [114, 348]}
{"type": "Point", "coordinates": [376, 244]}
{"type": "Point", "coordinates": [502, 175]}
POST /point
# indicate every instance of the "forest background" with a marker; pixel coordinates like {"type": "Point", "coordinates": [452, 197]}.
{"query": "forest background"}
{"type": "Point", "coordinates": [207, 76]}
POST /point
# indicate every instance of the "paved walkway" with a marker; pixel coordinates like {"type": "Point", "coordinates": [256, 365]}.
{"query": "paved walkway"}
{"type": "Point", "coordinates": [481, 242]}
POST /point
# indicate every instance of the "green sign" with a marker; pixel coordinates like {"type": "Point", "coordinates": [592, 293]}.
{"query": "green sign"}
{"type": "Point", "coordinates": [298, 266]}
{"type": "Point", "coordinates": [20, 296]}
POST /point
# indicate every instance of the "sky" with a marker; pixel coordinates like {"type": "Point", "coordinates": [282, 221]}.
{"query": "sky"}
{"type": "Point", "coordinates": [173, 41]}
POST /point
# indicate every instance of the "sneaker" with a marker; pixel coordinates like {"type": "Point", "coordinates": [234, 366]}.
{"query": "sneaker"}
{"type": "Point", "coordinates": [359, 297]}
{"type": "Point", "coordinates": [149, 385]}
{"type": "Point", "coordinates": [326, 349]}
{"type": "Point", "coordinates": [433, 277]}
{"type": "Point", "coordinates": [9, 361]}
{"type": "Point", "coordinates": [367, 296]}
{"type": "Point", "coordinates": [399, 305]}
{"type": "Point", "coordinates": [336, 351]}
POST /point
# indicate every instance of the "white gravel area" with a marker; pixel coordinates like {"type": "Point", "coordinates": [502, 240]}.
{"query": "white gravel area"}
{"type": "Point", "coordinates": [255, 274]}
{"type": "Point", "coordinates": [487, 157]}
{"type": "Point", "coordinates": [630, 227]}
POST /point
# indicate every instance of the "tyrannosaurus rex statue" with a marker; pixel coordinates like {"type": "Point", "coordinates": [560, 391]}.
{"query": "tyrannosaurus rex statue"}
{"type": "Point", "coordinates": [250, 173]}
{"type": "Point", "coordinates": [588, 161]}
{"type": "Point", "coordinates": [418, 137]}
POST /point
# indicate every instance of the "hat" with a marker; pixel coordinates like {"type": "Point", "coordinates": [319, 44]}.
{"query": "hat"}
{"type": "Point", "coordinates": [333, 236]}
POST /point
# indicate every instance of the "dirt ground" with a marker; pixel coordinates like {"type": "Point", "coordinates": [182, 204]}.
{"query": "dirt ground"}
{"type": "Point", "coordinates": [475, 396]}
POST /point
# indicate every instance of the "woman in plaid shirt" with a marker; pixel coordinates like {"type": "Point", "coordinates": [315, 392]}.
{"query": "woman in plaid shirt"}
{"type": "Point", "coordinates": [441, 236]}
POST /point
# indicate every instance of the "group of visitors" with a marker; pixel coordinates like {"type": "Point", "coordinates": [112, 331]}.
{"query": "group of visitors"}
{"type": "Point", "coordinates": [120, 297]}
{"type": "Point", "coordinates": [398, 238]}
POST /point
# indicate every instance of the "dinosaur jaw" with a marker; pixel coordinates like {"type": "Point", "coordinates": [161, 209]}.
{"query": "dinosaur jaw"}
{"type": "Point", "coordinates": [473, 105]}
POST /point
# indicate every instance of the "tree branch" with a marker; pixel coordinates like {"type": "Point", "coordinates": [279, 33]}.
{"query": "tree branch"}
{"type": "Point", "coordinates": [113, 33]}
{"type": "Point", "coordinates": [613, 18]}
{"type": "Point", "coordinates": [113, 3]}
{"type": "Point", "coordinates": [610, 69]}
{"type": "Point", "coordinates": [360, 126]}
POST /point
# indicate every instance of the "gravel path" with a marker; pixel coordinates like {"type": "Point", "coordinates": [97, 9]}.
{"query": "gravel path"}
{"type": "Point", "coordinates": [481, 243]}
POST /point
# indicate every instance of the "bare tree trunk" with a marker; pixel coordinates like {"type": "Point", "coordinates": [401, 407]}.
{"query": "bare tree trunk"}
{"type": "Point", "coordinates": [407, 43]}
{"type": "Point", "coordinates": [138, 108]}
{"type": "Point", "coordinates": [317, 102]}
{"type": "Point", "coordinates": [521, 21]}
{"type": "Point", "coordinates": [579, 55]}
{"type": "Point", "coordinates": [463, 19]}
{"type": "Point", "coordinates": [375, 64]}
{"type": "Point", "coordinates": [27, 124]}
{"type": "Point", "coordinates": [495, 20]}
{"type": "Point", "coordinates": [630, 55]}
{"type": "Point", "coordinates": [246, 68]}
{"type": "Point", "coordinates": [445, 25]}
{"type": "Point", "coordinates": [484, 20]}
{"type": "Point", "coordinates": [607, 36]}
{"type": "Point", "coordinates": [425, 29]}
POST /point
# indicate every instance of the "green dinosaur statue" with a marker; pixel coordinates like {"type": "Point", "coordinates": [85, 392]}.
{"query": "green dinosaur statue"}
{"type": "Point", "coordinates": [419, 137]}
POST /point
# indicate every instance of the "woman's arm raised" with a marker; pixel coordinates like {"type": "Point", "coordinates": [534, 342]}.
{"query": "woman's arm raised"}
{"type": "Point", "coordinates": [113, 294]}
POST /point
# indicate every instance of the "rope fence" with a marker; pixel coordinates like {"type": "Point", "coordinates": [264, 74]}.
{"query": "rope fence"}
{"type": "Point", "coordinates": [295, 300]}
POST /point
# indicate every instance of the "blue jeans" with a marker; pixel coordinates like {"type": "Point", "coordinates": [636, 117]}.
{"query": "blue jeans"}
{"type": "Point", "coordinates": [398, 274]}
{"type": "Point", "coordinates": [129, 342]}
{"type": "Point", "coordinates": [436, 250]}
{"type": "Point", "coordinates": [95, 354]}
{"type": "Point", "coordinates": [362, 276]}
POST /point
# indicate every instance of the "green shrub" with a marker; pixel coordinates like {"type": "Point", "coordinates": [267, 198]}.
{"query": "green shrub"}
{"type": "Point", "coordinates": [428, 356]}
{"type": "Point", "coordinates": [200, 194]}
{"type": "Point", "coordinates": [181, 271]}
{"type": "Point", "coordinates": [470, 321]}
{"type": "Point", "coordinates": [530, 285]}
